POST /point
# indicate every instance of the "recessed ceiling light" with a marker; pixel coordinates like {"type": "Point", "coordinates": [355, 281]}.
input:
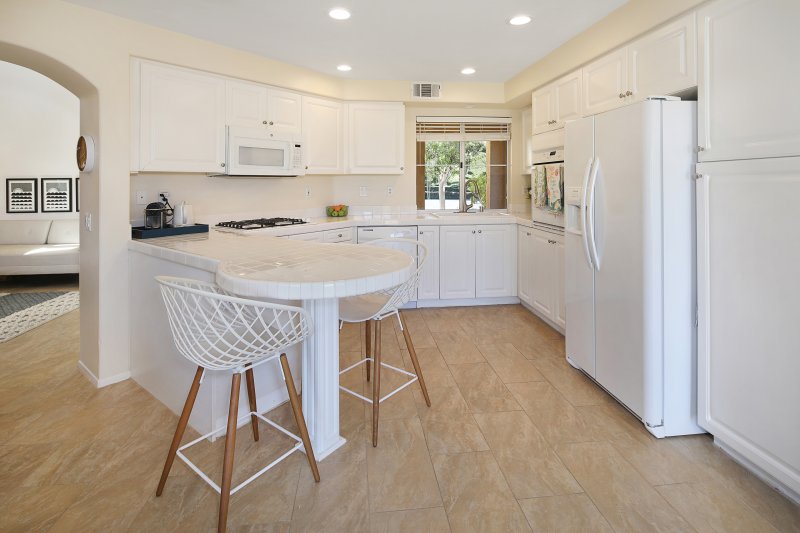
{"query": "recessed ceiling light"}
{"type": "Point", "coordinates": [339, 13]}
{"type": "Point", "coordinates": [519, 20]}
{"type": "Point", "coordinates": [468, 71]}
{"type": "Point", "coordinates": [344, 68]}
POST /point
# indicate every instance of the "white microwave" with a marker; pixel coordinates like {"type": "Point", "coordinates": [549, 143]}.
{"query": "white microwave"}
{"type": "Point", "coordinates": [256, 152]}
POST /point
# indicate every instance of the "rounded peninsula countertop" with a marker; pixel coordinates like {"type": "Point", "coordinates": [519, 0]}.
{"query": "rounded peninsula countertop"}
{"type": "Point", "coordinates": [287, 269]}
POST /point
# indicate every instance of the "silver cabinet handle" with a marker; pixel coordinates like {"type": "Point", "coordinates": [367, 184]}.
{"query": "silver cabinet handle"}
{"type": "Point", "coordinates": [528, 233]}
{"type": "Point", "coordinates": [340, 235]}
{"type": "Point", "coordinates": [222, 165]}
{"type": "Point", "coordinates": [306, 167]}
{"type": "Point", "coordinates": [480, 231]}
{"type": "Point", "coordinates": [402, 168]}
{"type": "Point", "coordinates": [473, 231]}
{"type": "Point", "coordinates": [264, 122]}
{"type": "Point", "coordinates": [622, 95]}
{"type": "Point", "coordinates": [271, 123]}
{"type": "Point", "coordinates": [628, 93]}
{"type": "Point", "coordinates": [701, 148]}
{"type": "Point", "coordinates": [551, 242]}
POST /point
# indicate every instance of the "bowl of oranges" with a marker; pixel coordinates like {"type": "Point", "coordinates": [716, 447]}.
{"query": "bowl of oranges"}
{"type": "Point", "coordinates": [336, 210]}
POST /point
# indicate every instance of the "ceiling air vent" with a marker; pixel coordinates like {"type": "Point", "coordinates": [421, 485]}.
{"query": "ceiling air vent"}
{"type": "Point", "coordinates": [426, 90]}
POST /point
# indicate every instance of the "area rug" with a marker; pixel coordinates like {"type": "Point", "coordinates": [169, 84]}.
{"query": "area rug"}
{"type": "Point", "coordinates": [23, 311]}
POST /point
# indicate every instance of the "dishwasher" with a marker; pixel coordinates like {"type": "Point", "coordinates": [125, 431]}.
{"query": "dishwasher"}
{"type": "Point", "coordinates": [367, 234]}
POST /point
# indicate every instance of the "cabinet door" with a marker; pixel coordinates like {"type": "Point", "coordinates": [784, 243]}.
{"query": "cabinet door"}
{"type": "Point", "coordinates": [495, 261]}
{"type": "Point", "coordinates": [323, 131]}
{"type": "Point", "coordinates": [559, 304]}
{"type": "Point", "coordinates": [524, 271]}
{"type": "Point", "coordinates": [284, 112]}
{"type": "Point", "coordinates": [317, 236]}
{"type": "Point", "coordinates": [568, 102]}
{"type": "Point", "coordinates": [542, 109]}
{"type": "Point", "coordinates": [747, 88]}
{"type": "Point", "coordinates": [375, 140]}
{"type": "Point", "coordinates": [543, 268]}
{"type": "Point", "coordinates": [246, 104]}
{"type": "Point", "coordinates": [748, 356]}
{"type": "Point", "coordinates": [456, 262]}
{"type": "Point", "coordinates": [605, 82]}
{"type": "Point", "coordinates": [429, 276]}
{"type": "Point", "coordinates": [338, 235]}
{"type": "Point", "coordinates": [182, 126]}
{"type": "Point", "coordinates": [664, 61]}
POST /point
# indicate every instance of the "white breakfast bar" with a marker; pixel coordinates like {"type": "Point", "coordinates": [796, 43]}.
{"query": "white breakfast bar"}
{"type": "Point", "coordinates": [257, 267]}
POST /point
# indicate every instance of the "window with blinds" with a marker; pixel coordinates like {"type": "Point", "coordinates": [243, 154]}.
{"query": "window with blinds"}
{"type": "Point", "coordinates": [463, 128]}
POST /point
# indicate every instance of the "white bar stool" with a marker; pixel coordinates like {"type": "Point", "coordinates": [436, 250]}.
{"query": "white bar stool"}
{"type": "Point", "coordinates": [374, 307]}
{"type": "Point", "coordinates": [218, 331]}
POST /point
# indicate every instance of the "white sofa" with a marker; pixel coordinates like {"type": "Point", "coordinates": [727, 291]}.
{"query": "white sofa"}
{"type": "Point", "coordinates": [39, 247]}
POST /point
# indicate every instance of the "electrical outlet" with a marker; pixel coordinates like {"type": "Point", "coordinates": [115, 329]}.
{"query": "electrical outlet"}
{"type": "Point", "coordinates": [141, 197]}
{"type": "Point", "coordinates": [165, 194]}
{"type": "Point", "coordinates": [308, 192]}
{"type": "Point", "coordinates": [362, 191]}
{"type": "Point", "coordinates": [389, 190]}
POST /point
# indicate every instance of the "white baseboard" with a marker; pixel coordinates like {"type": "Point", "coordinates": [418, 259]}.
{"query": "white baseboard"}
{"type": "Point", "coordinates": [464, 302]}
{"type": "Point", "coordinates": [100, 383]}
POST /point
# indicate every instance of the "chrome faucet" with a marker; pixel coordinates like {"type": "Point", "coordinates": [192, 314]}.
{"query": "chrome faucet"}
{"type": "Point", "coordinates": [471, 185]}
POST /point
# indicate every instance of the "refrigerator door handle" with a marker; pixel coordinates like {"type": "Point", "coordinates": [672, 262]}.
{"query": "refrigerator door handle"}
{"type": "Point", "coordinates": [590, 213]}
{"type": "Point", "coordinates": [584, 189]}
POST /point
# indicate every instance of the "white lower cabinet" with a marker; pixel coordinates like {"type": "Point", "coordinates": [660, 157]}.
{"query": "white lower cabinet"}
{"type": "Point", "coordinates": [311, 237]}
{"type": "Point", "coordinates": [477, 261]}
{"type": "Point", "coordinates": [429, 275]}
{"type": "Point", "coordinates": [541, 273]}
{"type": "Point", "coordinates": [331, 235]}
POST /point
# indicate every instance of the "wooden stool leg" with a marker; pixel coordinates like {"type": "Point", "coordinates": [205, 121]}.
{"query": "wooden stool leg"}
{"type": "Point", "coordinates": [184, 419]}
{"type": "Point", "coordinates": [376, 384]}
{"type": "Point", "coordinates": [414, 361]}
{"type": "Point", "coordinates": [230, 448]}
{"type": "Point", "coordinates": [368, 338]}
{"type": "Point", "coordinates": [298, 416]}
{"type": "Point", "coordinates": [251, 396]}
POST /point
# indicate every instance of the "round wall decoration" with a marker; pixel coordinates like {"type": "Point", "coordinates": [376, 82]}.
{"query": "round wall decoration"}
{"type": "Point", "coordinates": [85, 153]}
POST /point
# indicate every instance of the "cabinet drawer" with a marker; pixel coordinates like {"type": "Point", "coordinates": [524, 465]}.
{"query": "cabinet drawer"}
{"type": "Point", "coordinates": [338, 235]}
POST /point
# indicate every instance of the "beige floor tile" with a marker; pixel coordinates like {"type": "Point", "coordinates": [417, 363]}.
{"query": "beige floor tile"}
{"type": "Point", "coordinates": [571, 512]}
{"type": "Point", "coordinates": [456, 349]}
{"type": "Point", "coordinates": [339, 501]}
{"type": "Point", "coordinates": [420, 334]}
{"type": "Point", "coordinates": [570, 382]}
{"type": "Point", "coordinates": [713, 507]}
{"type": "Point", "coordinates": [401, 405]}
{"type": "Point", "coordinates": [399, 468]}
{"type": "Point", "coordinates": [434, 368]}
{"type": "Point", "coordinates": [482, 389]}
{"type": "Point", "coordinates": [476, 495]}
{"type": "Point", "coordinates": [552, 414]}
{"type": "Point", "coordinates": [35, 508]}
{"type": "Point", "coordinates": [656, 460]}
{"type": "Point", "coordinates": [530, 465]}
{"type": "Point", "coordinates": [611, 420]}
{"type": "Point", "coordinates": [187, 504]}
{"type": "Point", "coordinates": [509, 363]}
{"type": "Point", "coordinates": [433, 520]}
{"type": "Point", "coordinates": [448, 426]}
{"type": "Point", "coordinates": [624, 498]}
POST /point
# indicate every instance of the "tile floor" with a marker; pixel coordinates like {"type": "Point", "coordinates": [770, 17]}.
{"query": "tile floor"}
{"type": "Point", "coordinates": [516, 440]}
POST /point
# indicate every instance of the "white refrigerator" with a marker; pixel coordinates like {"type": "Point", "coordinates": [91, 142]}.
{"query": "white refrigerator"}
{"type": "Point", "coordinates": [630, 263]}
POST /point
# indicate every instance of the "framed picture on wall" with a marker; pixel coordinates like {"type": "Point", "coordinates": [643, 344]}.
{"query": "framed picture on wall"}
{"type": "Point", "coordinates": [21, 195]}
{"type": "Point", "coordinates": [77, 195]}
{"type": "Point", "coordinates": [56, 195]}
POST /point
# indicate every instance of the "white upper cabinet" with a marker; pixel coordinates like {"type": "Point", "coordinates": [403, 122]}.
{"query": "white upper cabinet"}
{"type": "Point", "coordinates": [664, 61]}
{"type": "Point", "coordinates": [542, 107]}
{"type": "Point", "coordinates": [258, 106]}
{"type": "Point", "coordinates": [605, 83]}
{"type": "Point", "coordinates": [323, 132]}
{"type": "Point", "coordinates": [568, 102]}
{"type": "Point", "coordinates": [557, 103]}
{"type": "Point", "coordinates": [495, 261]}
{"type": "Point", "coordinates": [749, 78]}
{"type": "Point", "coordinates": [429, 275]}
{"type": "Point", "coordinates": [181, 120]}
{"type": "Point", "coordinates": [375, 137]}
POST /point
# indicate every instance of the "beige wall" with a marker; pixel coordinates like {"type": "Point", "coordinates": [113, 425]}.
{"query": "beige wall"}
{"type": "Point", "coordinates": [40, 120]}
{"type": "Point", "coordinates": [629, 21]}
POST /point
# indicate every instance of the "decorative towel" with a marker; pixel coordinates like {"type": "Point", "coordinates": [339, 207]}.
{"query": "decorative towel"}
{"type": "Point", "coordinates": [555, 187]}
{"type": "Point", "coordinates": [539, 186]}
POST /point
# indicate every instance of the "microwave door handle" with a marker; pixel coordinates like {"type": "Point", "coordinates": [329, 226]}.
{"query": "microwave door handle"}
{"type": "Point", "coordinates": [584, 189]}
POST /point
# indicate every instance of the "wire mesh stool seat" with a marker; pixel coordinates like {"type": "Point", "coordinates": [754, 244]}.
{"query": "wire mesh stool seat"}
{"type": "Point", "coordinates": [219, 331]}
{"type": "Point", "coordinates": [373, 308]}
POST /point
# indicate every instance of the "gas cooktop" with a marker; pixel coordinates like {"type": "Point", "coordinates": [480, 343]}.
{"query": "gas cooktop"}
{"type": "Point", "coordinates": [259, 223]}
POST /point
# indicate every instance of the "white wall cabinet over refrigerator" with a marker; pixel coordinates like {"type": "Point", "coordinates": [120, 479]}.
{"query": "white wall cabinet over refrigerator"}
{"type": "Point", "coordinates": [429, 276]}
{"type": "Point", "coordinates": [323, 132]}
{"type": "Point", "coordinates": [749, 75]}
{"type": "Point", "coordinates": [605, 83]}
{"type": "Point", "coordinates": [375, 137]}
{"type": "Point", "coordinates": [257, 106]}
{"type": "Point", "coordinates": [180, 118]}
{"type": "Point", "coordinates": [477, 261]}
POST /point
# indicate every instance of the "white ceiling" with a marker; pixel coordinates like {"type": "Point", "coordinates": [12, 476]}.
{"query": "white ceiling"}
{"type": "Point", "coordinates": [422, 40]}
